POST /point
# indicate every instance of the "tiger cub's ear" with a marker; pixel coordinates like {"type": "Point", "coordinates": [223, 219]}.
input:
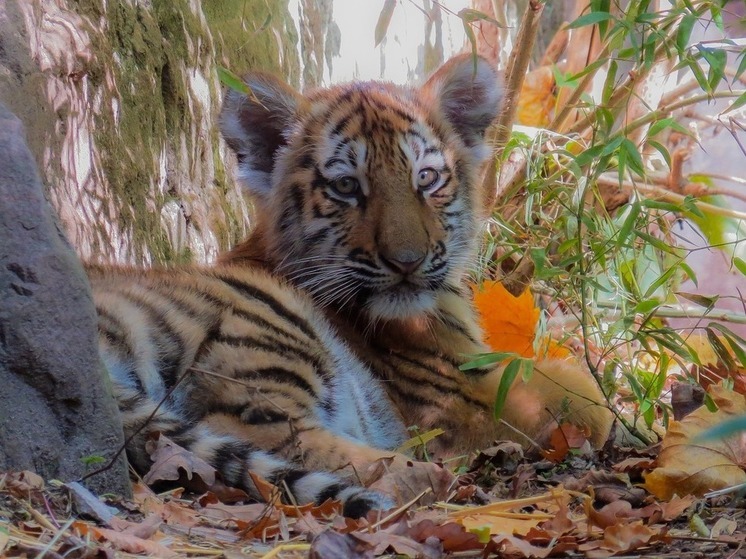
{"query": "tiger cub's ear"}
{"type": "Point", "coordinates": [469, 99]}
{"type": "Point", "coordinates": [255, 126]}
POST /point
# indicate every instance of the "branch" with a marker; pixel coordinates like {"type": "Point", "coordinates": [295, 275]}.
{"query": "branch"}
{"type": "Point", "coordinates": [659, 193]}
{"type": "Point", "coordinates": [514, 75]}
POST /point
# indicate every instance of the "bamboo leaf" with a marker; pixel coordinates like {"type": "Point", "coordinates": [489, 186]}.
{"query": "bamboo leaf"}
{"type": "Point", "coordinates": [590, 19]}
{"type": "Point", "coordinates": [506, 381]}
{"type": "Point", "coordinates": [231, 80]}
{"type": "Point", "coordinates": [384, 19]}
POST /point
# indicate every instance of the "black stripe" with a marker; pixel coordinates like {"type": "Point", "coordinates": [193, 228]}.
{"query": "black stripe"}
{"type": "Point", "coordinates": [280, 348]}
{"type": "Point", "coordinates": [329, 492]}
{"type": "Point", "coordinates": [252, 292]}
{"type": "Point", "coordinates": [171, 364]}
{"type": "Point", "coordinates": [280, 375]}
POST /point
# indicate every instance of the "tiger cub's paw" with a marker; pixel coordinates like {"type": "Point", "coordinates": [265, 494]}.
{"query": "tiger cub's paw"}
{"type": "Point", "coordinates": [358, 501]}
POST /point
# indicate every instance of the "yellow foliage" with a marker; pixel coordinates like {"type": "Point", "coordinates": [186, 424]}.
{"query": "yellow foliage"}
{"type": "Point", "coordinates": [536, 99]}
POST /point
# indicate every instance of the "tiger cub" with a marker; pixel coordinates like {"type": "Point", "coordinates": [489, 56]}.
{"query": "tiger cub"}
{"type": "Point", "coordinates": [307, 351]}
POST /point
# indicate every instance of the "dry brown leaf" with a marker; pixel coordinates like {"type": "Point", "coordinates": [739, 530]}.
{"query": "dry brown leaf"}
{"type": "Point", "coordinates": [382, 541]}
{"type": "Point", "coordinates": [673, 509]}
{"type": "Point", "coordinates": [685, 467]}
{"type": "Point", "coordinates": [564, 438]}
{"type": "Point", "coordinates": [333, 545]}
{"type": "Point", "coordinates": [512, 547]}
{"type": "Point", "coordinates": [22, 483]}
{"type": "Point", "coordinates": [123, 541]}
{"type": "Point", "coordinates": [635, 465]}
{"type": "Point", "coordinates": [172, 463]}
{"type": "Point", "coordinates": [619, 512]}
{"type": "Point", "coordinates": [622, 538]}
{"type": "Point", "coordinates": [406, 483]}
{"type": "Point", "coordinates": [453, 536]}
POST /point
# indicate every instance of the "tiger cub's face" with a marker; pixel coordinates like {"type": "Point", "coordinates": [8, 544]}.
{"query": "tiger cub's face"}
{"type": "Point", "coordinates": [366, 193]}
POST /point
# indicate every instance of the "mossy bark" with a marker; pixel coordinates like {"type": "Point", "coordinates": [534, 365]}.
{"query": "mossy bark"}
{"type": "Point", "coordinates": [125, 130]}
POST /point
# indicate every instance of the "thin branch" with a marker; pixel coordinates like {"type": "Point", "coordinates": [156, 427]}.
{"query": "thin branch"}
{"type": "Point", "coordinates": [665, 194]}
{"type": "Point", "coordinates": [515, 74]}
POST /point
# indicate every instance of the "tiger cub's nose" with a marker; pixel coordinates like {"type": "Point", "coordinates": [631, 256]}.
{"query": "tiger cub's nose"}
{"type": "Point", "coordinates": [404, 262]}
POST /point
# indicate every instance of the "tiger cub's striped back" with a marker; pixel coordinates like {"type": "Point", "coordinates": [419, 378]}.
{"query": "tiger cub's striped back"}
{"type": "Point", "coordinates": [247, 374]}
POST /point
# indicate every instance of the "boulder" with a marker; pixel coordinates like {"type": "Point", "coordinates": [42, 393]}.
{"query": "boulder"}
{"type": "Point", "coordinates": [57, 414]}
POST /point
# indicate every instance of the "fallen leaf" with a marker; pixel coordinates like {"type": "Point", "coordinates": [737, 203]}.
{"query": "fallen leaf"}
{"type": "Point", "coordinates": [687, 467]}
{"type": "Point", "coordinates": [675, 507]}
{"type": "Point", "coordinates": [333, 545]}
{"type": "Point", "coordinates": [123, 541]}
{"type": "Point", "coordinates": [714, 368]}
{"type": "Point", "coordinates": [618, 512]}
{"type": "Point", "coordinates": [510, 547]}
{"type": "Point", "coordinates": [564, 438]}
{"type": "Point", "coordinates": [635, 465]}
{"type": "Point", "coordinates": [406, 483]}
{"type": "Point", "coordinates": [622, 537]}
{"type": "Point", "coordinates": [382, 541]}
{"type": "Point", "coordinates": [723, 526]}
{"type": "Point", "coordinates": [509, 322]}
{"type": "Point", "coordinates": [174, 463]}
{"type": "Point", "coordinates": [22, 483]}
{"type": "Point", "coordinates": [454, 537]}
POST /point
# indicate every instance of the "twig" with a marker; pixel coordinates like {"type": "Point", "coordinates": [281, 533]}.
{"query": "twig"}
{"type": "Point", "coordinates": [569, 321]}
{"type": "Point", "coordinates": [286, 547]}
{"type": "Point", "coordinates": [401, 510]}
{"type": "Point", "coordinates": [665, 194]}
{"type": "Point", "coordinates": [137, 431]}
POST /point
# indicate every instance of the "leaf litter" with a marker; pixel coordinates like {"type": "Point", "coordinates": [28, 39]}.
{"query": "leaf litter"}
{"type": "Point", "coordinates": [557, 510]}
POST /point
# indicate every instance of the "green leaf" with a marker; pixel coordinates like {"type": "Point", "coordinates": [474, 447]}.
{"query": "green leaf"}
{"type": "Point", "coordinates": [590, 19]}
{"type": "Point", "coordinates": [692, 275]}
{"type": "Point", "coordinates": [231, 80]}
{"type": "Point", "coordinates": [659, 125]}
{"type": "Point", "coordinates": [685, 31]}
{"type": "Point", "coordinates": [701, 300]}
{"type": "Point", "coordinates": [741, 66]}
{"type": "Point", "coordinates": [633, 156]}
{"type": "Point", "coordinates": [629, 223]}
{"type": "Point", "coordinates": [646, 306]}
{"type": "Point", "coordinates": [658, 205]}
{"type": "Point", "coordinates": [736, 342]}
{"type": "Point", "coordinates": [506, 381]}
{"type": "Point", "coordinates": [487, 359]}
{"type": "Point", "coordinates": [721, 351]}
{"type": "Point", "coordinates": [726, 233]}
{"type": "Point", "coordinates": [470, 15]}
{"type": "Point", "coordinates": [662, 150]}
{"type": "Point", "coordinates": [740, 264]}
{"type": "Point", "coordinates": [737, 104]}
{"type": "Point", "coordinates": [384, 19]}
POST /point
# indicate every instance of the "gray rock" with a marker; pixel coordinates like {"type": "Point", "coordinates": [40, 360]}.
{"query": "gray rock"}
{"type": "Point", "coordinates": [56, 407]}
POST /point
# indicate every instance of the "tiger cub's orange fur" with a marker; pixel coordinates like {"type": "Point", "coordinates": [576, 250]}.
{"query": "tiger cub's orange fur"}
{"type": "Point", "coordinates": [307, 351]}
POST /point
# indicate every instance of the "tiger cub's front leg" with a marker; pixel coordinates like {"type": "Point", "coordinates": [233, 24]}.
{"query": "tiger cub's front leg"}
{"type": "Point", "coordinates": [422, 368]}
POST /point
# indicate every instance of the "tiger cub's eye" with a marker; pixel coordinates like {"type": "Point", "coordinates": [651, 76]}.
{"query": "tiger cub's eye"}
{"type": "Point", "coordinates": [427, 178]}
{"type": "Point", "coordinates": [345, 186]}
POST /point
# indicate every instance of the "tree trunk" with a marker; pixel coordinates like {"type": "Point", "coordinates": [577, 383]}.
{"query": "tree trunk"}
{"type": "Point", "coordinates": [121, 102]}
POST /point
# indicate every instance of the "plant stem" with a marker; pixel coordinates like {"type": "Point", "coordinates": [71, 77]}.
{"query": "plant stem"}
{"type": "Point", "coordinates": [514, 75]}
